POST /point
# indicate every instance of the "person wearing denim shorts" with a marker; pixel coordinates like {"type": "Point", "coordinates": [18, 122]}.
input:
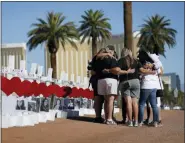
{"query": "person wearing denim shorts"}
{"type": "Point", "coordinates": [129, 75]}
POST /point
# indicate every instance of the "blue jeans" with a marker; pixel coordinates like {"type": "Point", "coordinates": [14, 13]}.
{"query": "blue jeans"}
{"type": "Point", "coordinates": [151, 95]}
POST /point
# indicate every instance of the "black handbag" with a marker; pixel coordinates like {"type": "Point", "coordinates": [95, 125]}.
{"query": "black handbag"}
{"type": "Point", "coordinates": [159, 93]}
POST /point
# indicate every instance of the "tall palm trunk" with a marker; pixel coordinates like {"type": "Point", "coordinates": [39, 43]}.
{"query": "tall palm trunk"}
{"type": "Point", "coordinates": [128, 25]}
{"type": "Point", "coordinates": [53, 64]}
{"type": "Point", "coordinates": [94, 47]}
{"type": "Point", "coordinates": [54, 74]}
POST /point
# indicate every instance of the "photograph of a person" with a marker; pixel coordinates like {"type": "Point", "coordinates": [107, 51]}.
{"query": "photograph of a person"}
{"type": "Point", "coordinates": [32, 106]}
{"type": "Point", "coordinates": [37, 100]}
{"type": "Point", "coordinates": [20, 105]}
{"type": "Point", "coordinates": [66, 102]}
{"type": "Point", "coordinates": [57, 105]}
{"type": "Point", "coordinates": [71, 104]}
{"type": "Point", "coordinates": [77, 103]}
{"type": "Point", "coordinates": [90, 104]}
{"type": "Point", "coordinates": [84, 102]}
{"type": "Point", "coordinates": [45, 102]}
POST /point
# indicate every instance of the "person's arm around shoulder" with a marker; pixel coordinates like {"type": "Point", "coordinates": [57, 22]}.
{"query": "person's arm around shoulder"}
{"type": "Point", "coordinates": [119, 64]}
{"type": "Point", "coordinates": [103, 55]}
{"type": "Point", "coordinates": [129, 71]}
{"type": "Point", "coordinates": [117, 71]}
{"type": "Point", "coordinates": [146, 71]}
{"type": "Point", "coordinates": [115, 68]}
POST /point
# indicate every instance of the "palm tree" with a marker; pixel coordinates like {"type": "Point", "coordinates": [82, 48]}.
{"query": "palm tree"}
{"type": "Point", "coordinates": [128, 24]}
{"type": "Point", "coordinates": [155, 34]}
{"type": "Point", "coordinates": [94, 26]}
{"type": "Point", "coordinates": [54, 32]}
{"type": "Point", "coordinates": [168, 95]}
{"type": "Point", "coordinates": [180, 99]}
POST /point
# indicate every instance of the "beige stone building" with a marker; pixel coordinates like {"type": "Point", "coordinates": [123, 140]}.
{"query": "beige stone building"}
{"type": "Point", "coordinates": [75, 62]}
{"type": "Point", "coordinates": [17, 49]}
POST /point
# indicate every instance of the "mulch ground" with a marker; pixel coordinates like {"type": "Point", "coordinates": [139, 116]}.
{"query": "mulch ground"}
{"type": "Point", "coordinates": [83, 130]}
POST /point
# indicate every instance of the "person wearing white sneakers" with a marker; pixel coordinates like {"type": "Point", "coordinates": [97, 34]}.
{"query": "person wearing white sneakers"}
{"type": "Point", "coordinates": [107, 70]}
{"type": "Point", "coordinates": [129, 84]}
{"type": "Point", "coordinates": [159, 94]}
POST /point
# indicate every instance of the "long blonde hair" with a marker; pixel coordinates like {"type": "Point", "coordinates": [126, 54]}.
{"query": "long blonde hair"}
{"type": "Point", "coordinates": [127, 55]}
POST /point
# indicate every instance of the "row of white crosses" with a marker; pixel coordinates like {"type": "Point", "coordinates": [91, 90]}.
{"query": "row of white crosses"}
{"type": "Point", "coordinates": [36, 72]}
{"type": "Point", "coordinates": [64, 77]}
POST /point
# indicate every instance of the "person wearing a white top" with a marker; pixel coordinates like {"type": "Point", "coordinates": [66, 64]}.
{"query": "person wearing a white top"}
{"type": "Point", "coordinates": [158, 65]}
{"type": "Point", "coordinates": [149, 84]}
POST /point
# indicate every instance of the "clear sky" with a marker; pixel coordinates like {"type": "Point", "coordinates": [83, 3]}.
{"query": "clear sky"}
{"type": "Point", "coordinates": [17, 18]}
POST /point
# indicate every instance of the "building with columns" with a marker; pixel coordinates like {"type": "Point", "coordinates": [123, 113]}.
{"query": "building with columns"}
{"type": "Point", "coordinates": [16, 49]}
{"type": "Point", "coordinates": [75, 62]}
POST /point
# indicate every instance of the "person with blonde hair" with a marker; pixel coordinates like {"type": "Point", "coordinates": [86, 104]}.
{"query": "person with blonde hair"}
{"type": "Point", "coordinates": [107, 82]}
{"type": "Point", "coordinates": [129, 84]}
{"type": "Point", "coordinates": [98, 100]}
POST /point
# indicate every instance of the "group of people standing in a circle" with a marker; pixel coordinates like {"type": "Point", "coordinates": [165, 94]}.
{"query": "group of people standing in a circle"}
{"type": "Point", "coordinates": [138, 82]}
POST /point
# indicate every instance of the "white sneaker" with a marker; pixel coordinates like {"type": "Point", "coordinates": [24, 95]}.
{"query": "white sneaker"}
{"type": "Point", "coordinates": [141, 124]}
{"type": "Point", "coordinates": [135, 123]}
{"type": "Point", "coordinates": [110, 122]}
{"type": "Point", "coordinates": [130, 123]}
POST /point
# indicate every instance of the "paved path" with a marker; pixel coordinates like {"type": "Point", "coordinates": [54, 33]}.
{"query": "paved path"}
{"type": "Point", "coordinates": [75, 131]}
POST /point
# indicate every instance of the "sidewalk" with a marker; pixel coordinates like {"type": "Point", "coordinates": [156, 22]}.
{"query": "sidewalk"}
{"type": "Point", "coordinates": [71, 131]}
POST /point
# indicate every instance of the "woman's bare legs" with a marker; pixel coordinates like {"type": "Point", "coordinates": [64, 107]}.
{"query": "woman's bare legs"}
{"type": "Point", "coordinates": [129, 107]}
{"type": "Point", "coordinates": [105, 108]}
{"type": "Point", "coordinates": [109, 102]}
{"type": "Point", "coordinates": [110, 106]}
{"type": "Point", "coordinates": [135, 109]}
{"type": "Point", "coordinates": [132, 109]}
